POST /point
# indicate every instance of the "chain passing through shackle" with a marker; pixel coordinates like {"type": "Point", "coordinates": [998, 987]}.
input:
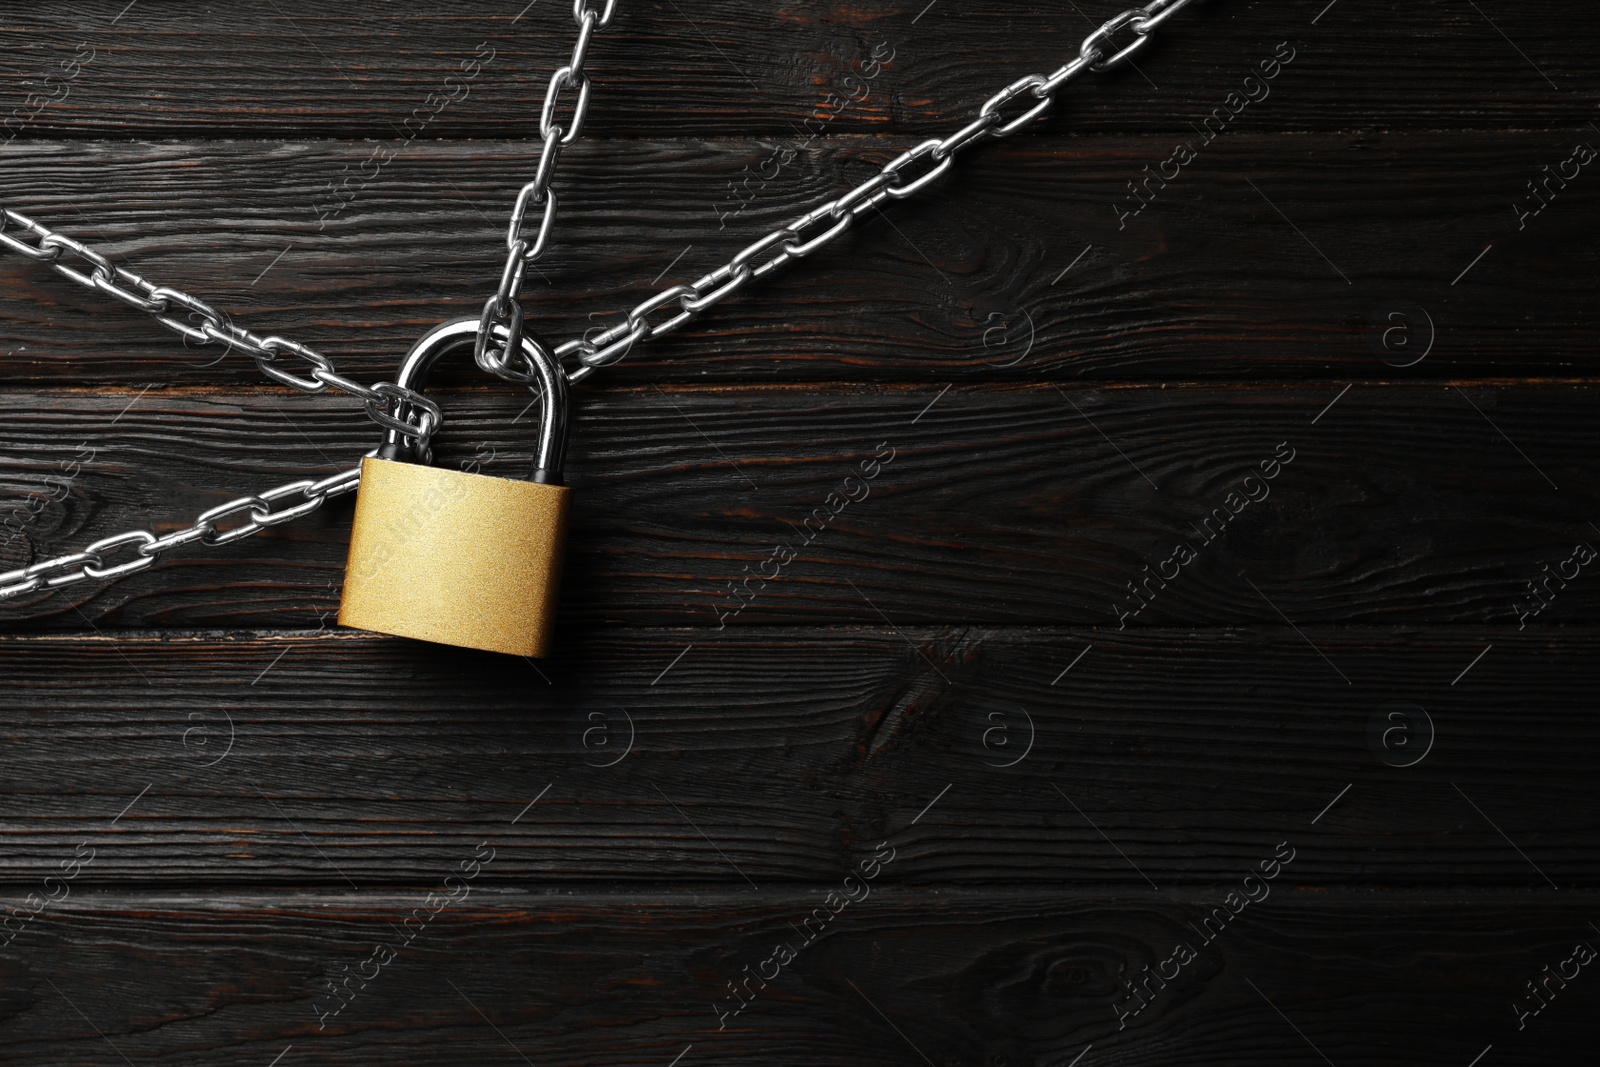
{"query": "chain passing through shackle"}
{"type": "Point", "coordinates": [543, 372]}
{"type": "Point", "coordinates": [499, 330]}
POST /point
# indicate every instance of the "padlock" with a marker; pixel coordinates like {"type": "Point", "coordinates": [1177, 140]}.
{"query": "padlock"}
{"type": "Point", "coordinates": [454, 557]}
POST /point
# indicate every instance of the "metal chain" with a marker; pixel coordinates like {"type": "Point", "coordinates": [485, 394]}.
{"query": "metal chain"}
{"type": "Point", "coordinates": [147, 547]}
{"type": "Point", "coordinates": [502, 309]}
{"type": "Point", "coordinates": [899, 178]}
{"type": "Point", "coordinates": [387, 404]}
{"type": "Point", "coordinates": [1100, 51]}
{"type": "Point", "coordinates": [383, 402]}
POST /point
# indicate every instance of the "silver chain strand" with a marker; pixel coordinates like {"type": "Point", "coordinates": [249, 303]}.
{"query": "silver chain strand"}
{"type": "Point", "coordinates": [147, 547]}
{"type": "Point", "coordinates": [502, 311]}
{"type": "Point", "coordinates": [813, 230]}
{"type": "Point", "coordinates": [1099, 52]}
{"type": "Point", "coordinates": [159, 300]}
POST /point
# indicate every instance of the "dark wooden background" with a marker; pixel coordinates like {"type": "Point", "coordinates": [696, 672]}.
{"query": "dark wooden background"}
{"type": "Point", "coordinates": [266, 796]}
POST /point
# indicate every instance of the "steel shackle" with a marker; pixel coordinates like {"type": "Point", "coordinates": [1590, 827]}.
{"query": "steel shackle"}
{"type": "Point", "coordinates": [446, 338]}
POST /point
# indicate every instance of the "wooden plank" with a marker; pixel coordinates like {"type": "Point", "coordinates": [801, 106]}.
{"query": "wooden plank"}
{"type": "Point", "coordinates": [895, 978]}
{"type": "Point", "coordinates": [298, 68]}
{"type": "Point", "coordinates": [1004, 505]}
{"type": "Point", "coordinates": [1028, 264]}
{"type": "Point", "coordinates": [776, 756]}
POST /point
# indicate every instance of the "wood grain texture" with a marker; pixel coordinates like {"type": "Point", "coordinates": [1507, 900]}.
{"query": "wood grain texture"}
{"type": "Point", "coordinates": [1267, 258]}
{"type": "Point", "coordinates": [779, 756]}
{"type": "Point", "coordinates": [297, 68]}
{"type": "Point", "coordinates": [1008, 505]}
{"type": "Point", "coordinates": [901, 977]}
{"type": "Point", "coordinates": [955, 669]}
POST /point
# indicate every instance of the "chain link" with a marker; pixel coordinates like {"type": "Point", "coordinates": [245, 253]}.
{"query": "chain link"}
{"type": "Point", "coordinates": [146, 547]}
{"type": "Point", "coordinates": [906, 174]}
{"type": "Point", "coordinates": [502, 311]}
{"type": "Point", "coordinates": [388, 403]}
{"type": "Point", "coordinates": [161, 301]}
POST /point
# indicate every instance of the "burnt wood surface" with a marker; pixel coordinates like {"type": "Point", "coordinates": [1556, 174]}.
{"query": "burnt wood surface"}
{"type": "Point", "coordinates": [214, 801]}
{"type": "Point", "coordinates": [778, 754]}
{"type": "Point", "coordinates": [1027, 504]}
{"type": "Point", "coordinates": [309, 69]}
{"type": "Point", "coordinates": [1020, 268]}
{"type": "Point", "coordinates": [944, 976]}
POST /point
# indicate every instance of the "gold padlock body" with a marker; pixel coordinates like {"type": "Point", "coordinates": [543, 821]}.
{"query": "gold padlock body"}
{"type": "Point", "coordinates": [455, 558]}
